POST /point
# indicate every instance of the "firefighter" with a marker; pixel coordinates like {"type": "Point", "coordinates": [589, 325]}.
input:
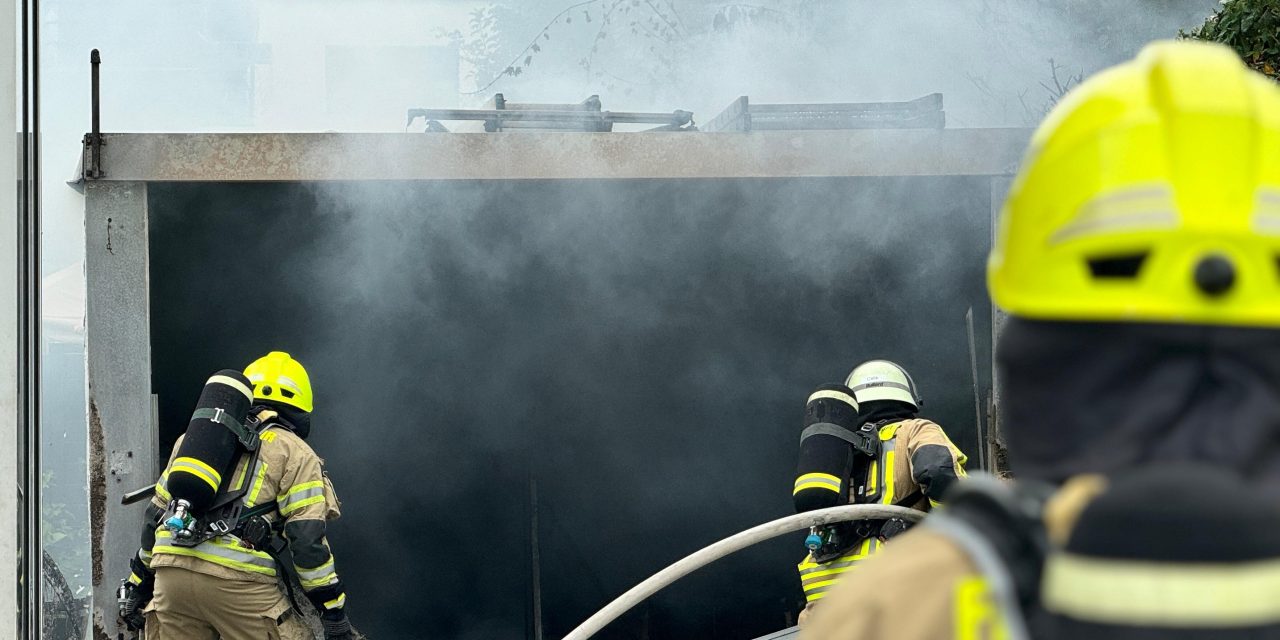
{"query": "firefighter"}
{"type": "Point", "coordinates": [901, 460]}
{"type": "Point", "coordinates": [1139, 260]}
{"type": "Point", "coordinates": [227, 586]}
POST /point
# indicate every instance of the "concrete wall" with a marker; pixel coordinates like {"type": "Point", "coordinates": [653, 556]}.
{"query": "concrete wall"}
{"type": "Point", "coordinates": [122, 447]}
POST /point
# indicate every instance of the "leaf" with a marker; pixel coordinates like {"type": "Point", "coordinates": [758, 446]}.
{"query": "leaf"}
{"type": "Point", "coordinates": [536, 48]}
{"type": "Point", "coordinates": [586, 15]}
{"type": "Point", "coordinates": [546, 36]}
{"type": "Point", "coordinates": [528, 59]}
{"type": "Point", "coordinates": [568, 19]}
{"type": "Point", "coordinates": [511, 71]}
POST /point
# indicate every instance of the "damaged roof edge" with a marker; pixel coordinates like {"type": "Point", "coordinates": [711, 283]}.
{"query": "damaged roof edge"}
{"type": "Point", "coordinates": [296, 157]}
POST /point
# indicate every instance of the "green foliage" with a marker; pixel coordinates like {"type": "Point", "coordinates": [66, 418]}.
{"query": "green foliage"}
{"type": "Point", "coordinates": [1251, 27]}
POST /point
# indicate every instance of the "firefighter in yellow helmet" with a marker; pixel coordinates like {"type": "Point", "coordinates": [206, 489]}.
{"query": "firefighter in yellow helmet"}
{"type": "Point", "coordinates": [228, 585]}
{"type": "Point", "coordinates": [1139, 258]}
{"type": "Point", "coordinates": [886, 454]}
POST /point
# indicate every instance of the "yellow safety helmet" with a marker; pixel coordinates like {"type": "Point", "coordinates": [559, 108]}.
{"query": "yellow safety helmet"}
{"type": "Point", "coordinates": [883, 380]}
{"type": "Point", "coordinates": [279, 378]}
{"type": "Point", "coordinates": [1150, 193]}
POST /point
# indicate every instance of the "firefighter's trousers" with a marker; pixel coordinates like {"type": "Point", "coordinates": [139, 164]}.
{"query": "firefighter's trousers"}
{"type": "Point", "coordinates": [194, 606]}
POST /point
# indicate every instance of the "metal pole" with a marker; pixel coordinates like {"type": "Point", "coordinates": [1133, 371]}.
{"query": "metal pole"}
{"type": "Point", "coordinates": [535, 555]}
{"type": "Point", "coordinates": [94, 170]}
{"type": "Point", "coordinates": [29, 322]}
{"type": "Point", "coordinates": [977, 397]}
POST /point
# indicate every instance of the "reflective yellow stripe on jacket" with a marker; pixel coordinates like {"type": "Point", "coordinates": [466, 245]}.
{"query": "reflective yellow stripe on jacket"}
{"type": "Point", "coordinates": [222, 550]}
{"type": "Point", "coordinates": [817, 578]}
{"type": "Point", "coordinates": [317, 577]}
{"type": "Point", "coordinates": [301, 495]}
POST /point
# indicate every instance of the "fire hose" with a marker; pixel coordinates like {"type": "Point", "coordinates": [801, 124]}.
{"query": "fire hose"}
{"type": "Point", "coordinates": [736, 542]}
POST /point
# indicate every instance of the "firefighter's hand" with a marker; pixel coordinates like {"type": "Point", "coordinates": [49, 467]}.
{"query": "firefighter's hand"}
{"type": "Point", "coordinates": [131, 607]}
{"type": "Point", "coordinates": [336, 625]}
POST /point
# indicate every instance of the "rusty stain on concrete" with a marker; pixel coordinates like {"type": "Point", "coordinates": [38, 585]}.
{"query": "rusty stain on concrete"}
{"type": "Point", "coordinates": [97, 489]}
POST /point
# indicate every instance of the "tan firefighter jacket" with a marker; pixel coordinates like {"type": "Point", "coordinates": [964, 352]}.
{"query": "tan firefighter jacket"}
{"type": "Point", "coordinates": [905, 463]}
{"type": "Point", "coordinates": [926, 586]}
{"type": "Point", "coordinates": [290, 474]}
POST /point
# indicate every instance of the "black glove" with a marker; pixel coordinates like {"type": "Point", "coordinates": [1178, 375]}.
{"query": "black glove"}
{"type": "Point", "coordinates": [132, 598]}
{"type": "Point", "coordinates": [336, 625]}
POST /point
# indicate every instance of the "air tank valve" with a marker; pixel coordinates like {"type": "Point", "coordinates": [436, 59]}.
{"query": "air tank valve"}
{"type": "Point", "coordinates": [180, 522]}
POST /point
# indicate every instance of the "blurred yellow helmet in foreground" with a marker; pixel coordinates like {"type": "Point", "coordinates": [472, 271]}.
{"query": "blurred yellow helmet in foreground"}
{"type": "Point", "coordinates": [1151, 193]}
{"type": "Point", "coordinates": [279, 378]}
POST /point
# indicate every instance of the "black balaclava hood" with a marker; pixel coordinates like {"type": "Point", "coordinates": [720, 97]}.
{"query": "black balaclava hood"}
{"type": "Point", "coordinates": [1101, 397]}
{"type": "Point", "coordinates": [297, 420]}
{"type": "Point", "coordinates": [877, 410]}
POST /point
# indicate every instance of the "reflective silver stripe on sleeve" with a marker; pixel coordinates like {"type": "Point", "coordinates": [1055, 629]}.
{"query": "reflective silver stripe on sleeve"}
{"type": "Point", "coordinates": [301, 496]}
{"type": "Point", "coordinates": [322, 575]}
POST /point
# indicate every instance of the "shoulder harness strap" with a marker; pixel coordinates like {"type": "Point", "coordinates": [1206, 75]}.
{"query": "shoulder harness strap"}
{"type": "Point", "coordinates": [865, 439]}
{"type": "Point", "coordinates": [246, 433]}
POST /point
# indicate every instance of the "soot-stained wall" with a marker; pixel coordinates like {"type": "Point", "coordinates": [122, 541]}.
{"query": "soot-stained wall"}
{"type": "Point", "coordinates": [644, 348]}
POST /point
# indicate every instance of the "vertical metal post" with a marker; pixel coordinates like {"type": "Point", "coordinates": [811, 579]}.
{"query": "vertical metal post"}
{"type": "Point", "coordinates": [977, 397]}
{"type": "Point", "coordinates": [94, 139]}
{"type": "Point", "coordinates": [28, 220]}
{"type": "Point", "coordinates": [995, 440]}
{"type": "Point", "coordinates": [535, 557]}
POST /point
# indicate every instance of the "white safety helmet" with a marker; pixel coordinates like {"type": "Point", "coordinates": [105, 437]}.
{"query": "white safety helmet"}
{"type": "Point", "coordinates": [883, 380]}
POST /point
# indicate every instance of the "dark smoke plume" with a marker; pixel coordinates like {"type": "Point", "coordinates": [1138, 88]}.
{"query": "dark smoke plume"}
{"type": "Point", "coordinates": [642, 348]}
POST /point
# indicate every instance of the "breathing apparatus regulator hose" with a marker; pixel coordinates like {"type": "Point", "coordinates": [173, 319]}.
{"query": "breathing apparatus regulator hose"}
{"type": "Point", "coordinates": [736, 542]}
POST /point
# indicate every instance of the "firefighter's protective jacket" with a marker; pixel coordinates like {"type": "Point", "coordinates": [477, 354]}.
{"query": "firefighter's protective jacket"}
{"type": "Point", "coordinates": [289, 474]}
{"type": "Point", "coordinates": [915, 465]}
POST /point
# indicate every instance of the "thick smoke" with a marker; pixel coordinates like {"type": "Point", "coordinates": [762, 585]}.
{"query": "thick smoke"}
{"type": "Point", "coordinates": [643, 348]}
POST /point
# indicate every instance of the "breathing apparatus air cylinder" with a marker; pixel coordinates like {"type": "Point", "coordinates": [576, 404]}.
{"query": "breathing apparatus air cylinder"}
{"type": "Point", "coordinates": [829, 458]}
{"type": "Point", "coordinates": [215, 438]}
{"type": "Point", "coordinates": [826, 460]}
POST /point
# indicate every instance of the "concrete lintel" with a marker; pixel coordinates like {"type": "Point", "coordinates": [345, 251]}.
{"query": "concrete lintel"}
{"type": "Point", "coordinates": [122, 442]}
{"type": "Point", "coordinates": [289, 157]}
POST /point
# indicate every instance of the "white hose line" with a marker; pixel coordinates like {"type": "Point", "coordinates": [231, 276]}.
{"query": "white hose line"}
{"type": "Point", "coordinates": [736, 542]}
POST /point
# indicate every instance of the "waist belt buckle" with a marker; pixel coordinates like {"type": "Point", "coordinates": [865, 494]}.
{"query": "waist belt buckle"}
{"type": "Point", "coordinates": [220, 527]}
